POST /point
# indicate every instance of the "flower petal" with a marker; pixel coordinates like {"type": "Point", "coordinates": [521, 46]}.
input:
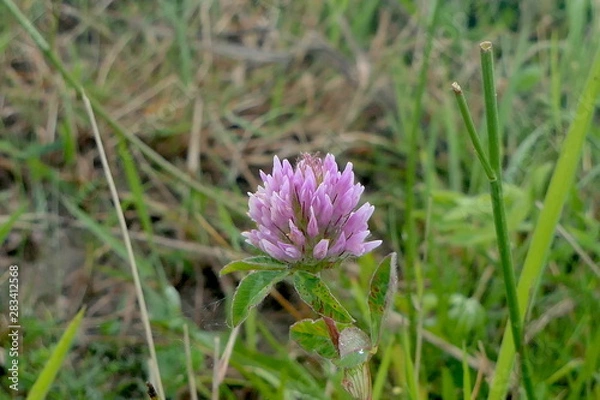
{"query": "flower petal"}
{"type": "Point", "coordinates": [296, 235]}
{"type": "Point", "coordinates": [368, 246]}
{"type": "Point", "coordinates": [313, 227]}
{"type": "Point", "coordinates": [339, 246]}
{"type": "Point", "coordinates": [320, 250]}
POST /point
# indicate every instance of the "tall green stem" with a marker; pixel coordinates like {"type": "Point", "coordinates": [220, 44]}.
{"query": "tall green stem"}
{"type": "Point", "coordinates": [543, 234]}
{"type": "Point", "coordinates": [493, 170]}
{"type": "Point", "coordinates": [506, 261]}
{"type": "Point", "coordinates": [464, 110]}
{"type": "Point", "coordinates": [491, 107]}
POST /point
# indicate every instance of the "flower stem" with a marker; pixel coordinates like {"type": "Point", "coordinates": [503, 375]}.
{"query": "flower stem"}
{"type": "Point", "coordinates": [492, 165]}
{"type": "Point", "coordinates": [491, 106]}
{"type": "Point", "coordinates": [558, 190]}
{"type": "Point", "coordinates": [506, 261]}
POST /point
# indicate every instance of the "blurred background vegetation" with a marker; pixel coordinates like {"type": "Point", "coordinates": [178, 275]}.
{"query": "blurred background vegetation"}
{"type": "Point", "coordinates": [215, 89]}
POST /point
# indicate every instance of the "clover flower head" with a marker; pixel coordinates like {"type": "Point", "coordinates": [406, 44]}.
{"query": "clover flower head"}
{"type": "Point", "coordinates": [308, 215]}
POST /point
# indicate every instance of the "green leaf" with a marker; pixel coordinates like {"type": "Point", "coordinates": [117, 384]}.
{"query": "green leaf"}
{"type": "Point", "coordinates": [317, 295]}
{"type": "Point", "coordinates": [251, 291]}
{"type": "Point", "coordinates": [53, 365]}
{"type": "Point", "coordinates": [313, 336]}
{"type": "Point", "coordinates": [259, 263]}
{"type": "Point", "coordinates": [354, 347]}
{"type": "Point", "coordinates": [381, 294]}
{"type": "Point", "coordinates": [466, 374]}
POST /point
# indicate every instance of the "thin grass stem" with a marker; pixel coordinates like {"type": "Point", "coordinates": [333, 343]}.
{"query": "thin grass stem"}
{"type": "Point", "coordinates": [221, 365]}
{"type": "Point", "coordinates": [188, 363]}
{"type": "Point", "coordinates": [491, 107]}
{"type": "Point", "coordinates": [466, 114]}
{"type": "Point", "coordinates": [420, 282]}
{"type": "Point", "coordinates": [216, 366]}
{"type": "Point", "coordinates": [506, 260]}
{"type": "Point", "coordinates": [492, 167]}
{"type": "Point", "coordinates": [132, 263]}
{"type": "Point", "coordinates": [556, 196]}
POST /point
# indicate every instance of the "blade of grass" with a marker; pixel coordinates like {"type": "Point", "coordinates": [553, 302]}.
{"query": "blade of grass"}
{"type": "Point", "coordinates": [448, 389]}
{"type": "Point", "coordinates": [53, 365]}
{"type": "Point", "coordinates": [221, 364]}
{"type": "Point", "coordinates": [420, 286]}
{"type": "Point", "coordinates": [66, 129]}
{"type": "Point", "coordinates": [466, 375]}
{"type": "Point", "coordinates": [589, 367]}
{"type": "Point", "coordinates": [454, 171]}
{"type": "Point", "coordinates": [188, 363]}
{"type": "Point", "coordinates": [411, 380]}
{"type": "Point", "coordinates": [176, 12]}
{"type": "Point", "coordinates": [132, 262]}
{"type": "Point", "coordinates": [215, 381]}
{"type": "Point", "coordinates": [6, 227]}
{"type": "Point", "coordinates": [556, 196]}
{"type": "Point", "coordinates": [382, 371]}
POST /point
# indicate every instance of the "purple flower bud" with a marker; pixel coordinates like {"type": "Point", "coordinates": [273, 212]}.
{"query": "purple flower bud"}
{"type": "Point", "coordinates": [308, 215]}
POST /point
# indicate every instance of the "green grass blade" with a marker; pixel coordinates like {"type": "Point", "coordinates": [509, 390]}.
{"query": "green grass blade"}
{"type": "Point", "coordinates": [175, 12]}
{"type": "Point", "coordinates": [466, 375]}
{"type": "Point", "coordinates": [53, 365]}
{"type": "Point", "coordinates": [556, 196]}
{"type": "Point", "coordinates": [6, 227]}
{"type": "Point", "coordinates": [411, 382]}
{"type": "Point", "coordinates": [383, 370]}
{"type": "Point", "coordinates": [588, 368]}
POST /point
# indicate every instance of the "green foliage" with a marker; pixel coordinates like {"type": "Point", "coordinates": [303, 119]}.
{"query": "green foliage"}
{"type": "Point", "coordinates": [314, 292]}
{"type": "Point", "coordinates": [251, 292]}
{"type": "Point", "coordinates": [46, 377]}
{"type": "Point", "coordinates": [382, 291]}
{"type": "Point", "coordinates": [365, 80]}
{"type": "Point", "coordinates": [354, 348]}
{"type": "Point", "coordinates": [313, 335]}
{"type": "Point", "coordinates": [258, 263]}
